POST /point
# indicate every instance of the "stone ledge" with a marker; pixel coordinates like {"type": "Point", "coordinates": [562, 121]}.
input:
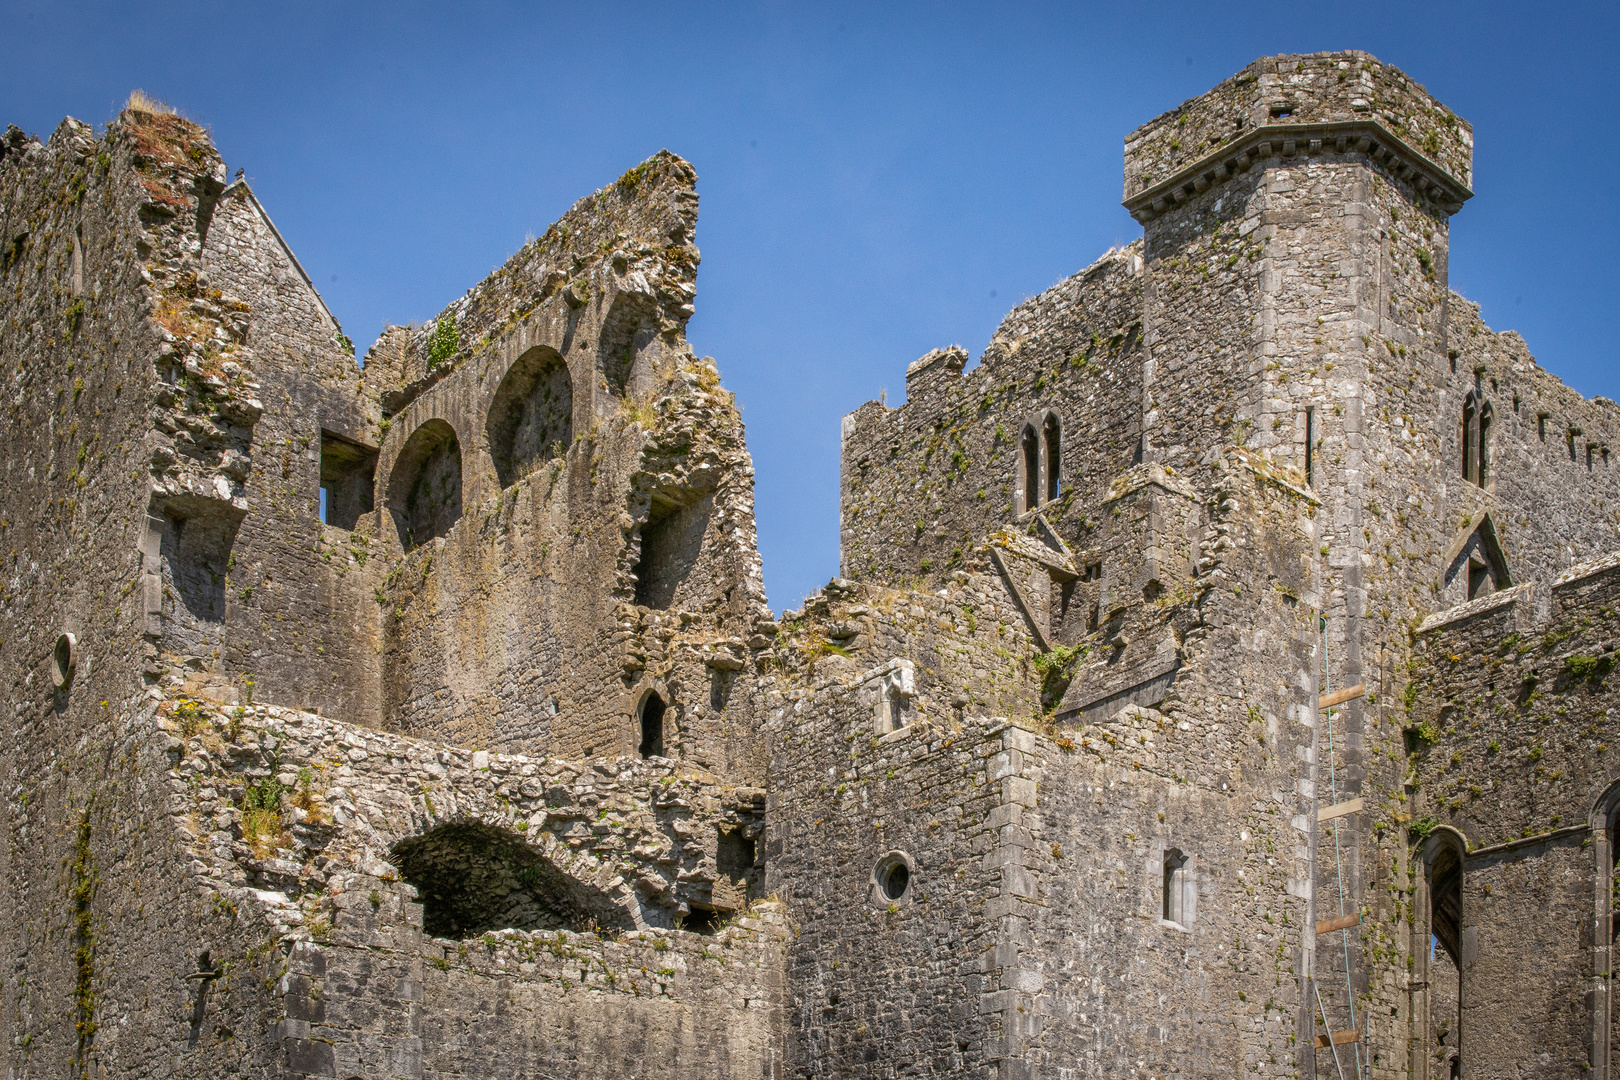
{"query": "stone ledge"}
{"type": "Point", "coordinates": [1505, 598]}
{"type": "Point", "coordinates": [1590, 568]}
{"type": "Point", "coordinates": [1341, 136]}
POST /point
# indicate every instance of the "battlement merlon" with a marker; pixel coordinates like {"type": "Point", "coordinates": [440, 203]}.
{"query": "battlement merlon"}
{"type": "Point", "coordinates": [1341, 102]}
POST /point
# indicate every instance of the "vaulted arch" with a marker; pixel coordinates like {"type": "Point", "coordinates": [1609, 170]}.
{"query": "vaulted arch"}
{"type": "Point", "coordinates": [531, 417]}
{"type": "Point", "coordinates": [472, 878]}
{"type": "Point", "coordinates": [424, 490]}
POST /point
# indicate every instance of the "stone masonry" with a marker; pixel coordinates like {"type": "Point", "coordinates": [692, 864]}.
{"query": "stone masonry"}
{"type": "Point", "coordinates": [1218, 681]}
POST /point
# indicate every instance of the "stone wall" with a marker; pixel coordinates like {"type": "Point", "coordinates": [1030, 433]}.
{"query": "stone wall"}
{"type": "Point", "coordinates": [332, 846]}
{"type": "Point", "coordinates": [619, 563]}
{"type": "Point", "coordinates": [923, 482]}
{"type": "Point", "coordinates": [1510, 733]}
{"type": "Point", "coordinates": [99, 931]}
{"type": "Point", "coordinates": [300, 624]}
{"type": "Point", "coordinates": [1041, 786]}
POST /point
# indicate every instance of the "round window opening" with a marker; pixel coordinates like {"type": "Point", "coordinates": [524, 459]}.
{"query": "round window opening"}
{"type": "Point", "coordinates": [63, 660]}
{"type": "Point", "coordinates": [893, 875]}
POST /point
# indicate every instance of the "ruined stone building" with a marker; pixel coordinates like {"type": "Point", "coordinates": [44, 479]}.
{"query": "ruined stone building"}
{"type": "Point", "coordinates": [1217, 683]}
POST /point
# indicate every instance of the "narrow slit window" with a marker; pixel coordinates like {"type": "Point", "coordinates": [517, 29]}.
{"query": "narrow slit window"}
{"type": "Point", "coordinates": [1310, 446]}
{"type": "Point", "coordinates": [1175, 887]}
{"type": "Point", "coordinates": [1030, 462]}
{"type": "Point", "coordinates": [1470, 439]}
{"type": "Point", "coordinates": [652, 726]}
{"type": "Point", "coordinates": [1052, 437]}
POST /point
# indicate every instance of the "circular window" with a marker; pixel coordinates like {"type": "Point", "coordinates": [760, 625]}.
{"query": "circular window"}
{"type": "Point", "coordinates": [63, 659]}
{"type": "Point", "coordinates": [891, 877]}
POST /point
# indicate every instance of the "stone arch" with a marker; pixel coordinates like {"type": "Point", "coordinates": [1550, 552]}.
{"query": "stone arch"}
{"type": "Point", "coordinates": [625, 349]}
{"type": "Point", "coordinates": [1175, 898]}
{"type": "Point", "coordinates": [424, 490]}
{"type": "Point", "coordinates": [654, 715]}
{"type": "Point", "coordinates": [472, 878]}
{"type": "Point", "coordinates": [1443, 855]}
{"type": "Point", "coordinates": [531, 416]}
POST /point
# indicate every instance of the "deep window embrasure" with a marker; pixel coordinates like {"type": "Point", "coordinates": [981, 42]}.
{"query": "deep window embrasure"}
{"type": "Point", "coordinates": [651, 718]}
{"type": "Point", "coordinates": [474, 878]}
{"type": "Point", "coordinates": [1477, 419]}
{"type": "Point", "coordinates": [348, 480]}
{"type": "Point", "coordinates": [1174, 894]}
{"type": "Point", "coordinates": [892, 877]}
{"type": "Point", "coordinates": [64, 660]}
{"type": "Point", "coordinates": [1029, 463]}
{"type": "Point", "coordinates": [531, 417]}
{"type": "Point", "coordinates": [1052, 441]}
{"type": "Point", "coordinates": [424, 493]}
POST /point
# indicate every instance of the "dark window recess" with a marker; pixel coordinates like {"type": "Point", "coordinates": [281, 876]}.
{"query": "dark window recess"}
{"type": "Point", "coordinates": [1445, 902]}
{"type": "Point", "coordinates": [1175, 886]}
{"type": "Point", "coordinates": [531, 418]}
{"type": "Point", "coordinates": [719, 689]}
{"type": "Point", "coordinates": [1310, 446]}
{"type": "Point", "coordinates": [1477, 419]}
{"type": "Point", "coordinates": [652, 726]}
{"type": "Point", "coordinates": [734, 855]}
{"type": "Point", "coordinates": [348, 480]}
{"type": "Point", "coordinates": [476, 878]}
{"type": "Point", "coordinates": [672, 544]}
{"type": "Point", "coordinates": [701, 920]}
{"type": "Point", "coordinates": [894, 879]}
{"type": "Point", "coordinates": [424, 492]}
{"type": "Point", "coordinates": [1052, 437]}
{"type": "Point", "coordinates": [1029, 458]}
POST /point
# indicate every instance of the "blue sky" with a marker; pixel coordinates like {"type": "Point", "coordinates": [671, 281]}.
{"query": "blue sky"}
{"type": "Point", "coordinates": [877, 179]}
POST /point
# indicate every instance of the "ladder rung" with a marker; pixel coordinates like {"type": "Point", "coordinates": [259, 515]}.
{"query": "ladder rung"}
{"type": "Point", "coordinates": [1338, 922]}
{"type": "Point", "coordinates": [1339, 697]}
{"type": "Point", "coordinates": [1338, 1038]}
{"type": "Point", "coordinates": [1328, 813]}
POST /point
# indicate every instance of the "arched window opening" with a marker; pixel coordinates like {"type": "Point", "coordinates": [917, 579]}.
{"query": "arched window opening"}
{"type": "Point", "coordinates": [1052, 437]}
{"type": "Point", "coordinates": [1445, 957]}
{"type": "Point", "coordinates": [627, 347]}
{"type": "Point", "coordinates": [1482, 453]}
{"type": "Point", "coordinates": [1176, 909]}
{"type": "Point", "coordinates": [424, 492]}
{"type": "Point", "coordinates": [1029, 460]}
{"type": "Point", "coordinates": [1470, 439]}
{"type": "Point", "coordinates": [473, 878]}
{"type": "Point", "coordinates": [1614, 882]}
{"type": "Point", "coordinates": [531, 417]}
{"type": "Point", "coordinates": [652, 726]}
{"type": "Point", "coordinates": [892, 878]}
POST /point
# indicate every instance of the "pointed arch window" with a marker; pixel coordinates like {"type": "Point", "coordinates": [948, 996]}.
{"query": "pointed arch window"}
{"type": "Point", "coordinates": [1477, 418]}
{"type": "Point", "coordinates": [1052, 444]}
{"type": "Point", "coordinates": [652, 726]}
{"type": "Point", "coordinates": [1029, 469]}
